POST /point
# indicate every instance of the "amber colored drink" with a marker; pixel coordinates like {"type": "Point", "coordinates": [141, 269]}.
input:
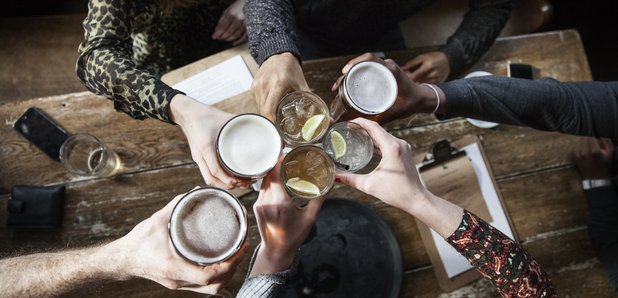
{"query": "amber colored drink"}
{"type": "Point", "coordinates": [308, 172]}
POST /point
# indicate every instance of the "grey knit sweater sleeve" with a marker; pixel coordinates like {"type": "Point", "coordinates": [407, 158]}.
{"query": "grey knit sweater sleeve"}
{"type": "Point", "coordinates": [265, 285]}
{"type": "Point", "coordinates": [270, 25]}
{"type": "Point", "coordinates": [477, 32]}
{"type": "Point", "coordinates": [582, 108]}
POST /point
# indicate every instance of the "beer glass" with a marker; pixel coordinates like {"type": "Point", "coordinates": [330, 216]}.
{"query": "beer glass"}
{"type": "Point", "coordinates": [349, 145]}
{"type": "Point", "coordinates": [85, 155]}
{"type": "Point", "coordinates": [248, 146]}
{"type": "Point", "coordinates": [208, 225]}
{"type": "Point", "coordinates": [302, 118]}
{"type": "Point", "coordinates": [308, 172]}
{"type": "Point", "coordinates": [368, 90]}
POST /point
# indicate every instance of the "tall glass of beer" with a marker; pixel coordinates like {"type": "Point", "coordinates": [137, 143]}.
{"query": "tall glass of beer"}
{"type": "Point", "coordinates": [248, 146]}
{"type": "Point", "coordinates": [368, 90]}
{"type": "Point", "coordinates": [208, 225]}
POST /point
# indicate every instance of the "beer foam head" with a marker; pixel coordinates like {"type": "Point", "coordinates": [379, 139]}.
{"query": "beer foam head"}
{"type": "Point", "coordinates": [207, 225]}
{"type": "Point", "coordinates": [371, 87]}
{"type": "Point", "coordinates": [249, 145]}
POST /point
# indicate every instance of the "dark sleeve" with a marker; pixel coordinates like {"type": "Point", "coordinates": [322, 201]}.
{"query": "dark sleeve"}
{"type": "Point", "coordinates": [106, 67]}
{"type": "Point", "coordinates": [582, 108]}
{"type": "Point", "coordinates": [477, 32]}
{"type": "Point", "coordinates": [271, 28]}
{"type": "Point", "coordinates": [603, 229]}
{"type": "Point", "coordinates": [504, 262]}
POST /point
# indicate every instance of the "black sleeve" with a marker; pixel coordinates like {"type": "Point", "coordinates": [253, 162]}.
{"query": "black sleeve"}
{"type": "Point", "coordinates": [582, 108]}
{"type": "Point", "coordinates": [477, 32]}
{"type": "Point", "coordinates": [271, 28]}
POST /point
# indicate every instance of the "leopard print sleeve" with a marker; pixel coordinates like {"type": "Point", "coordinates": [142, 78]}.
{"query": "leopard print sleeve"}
{"type": "Point", "coordinates": [106, 67]}
{"type": "Point", "coordinates": [511, 269]}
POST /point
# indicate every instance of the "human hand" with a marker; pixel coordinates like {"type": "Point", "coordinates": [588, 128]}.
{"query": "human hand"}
{"type": "Point", "coordinates": [283, 226]}
{"type": "Point", "coordinates": [411, 97]}
{"type": "Point", "coordinates": [201, 124]}
{"type": "Point", "coordinates": [148, 252]}
{"type": "Point", "coordinates": [593, 158]}
{"type": "Point", "coordinates": [231, 26]}
{"type": "Point", "coordinates": [432, 67]}
{"type": "Point", "coordinates": [395, 180]}
{"type": "Point", "coordinates": [278, 75]}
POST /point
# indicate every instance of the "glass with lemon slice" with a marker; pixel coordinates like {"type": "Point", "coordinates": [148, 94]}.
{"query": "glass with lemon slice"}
{"type": "Point", "coordinates": [308, 172]}
{"type": "Point", "coordinates": [349, 145]}
{"type": "Point", "coordinates": [302, 118]}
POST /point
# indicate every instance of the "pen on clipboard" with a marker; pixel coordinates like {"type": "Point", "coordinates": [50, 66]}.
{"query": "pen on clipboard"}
{"type": "Point", "coordinates": [441, 152]}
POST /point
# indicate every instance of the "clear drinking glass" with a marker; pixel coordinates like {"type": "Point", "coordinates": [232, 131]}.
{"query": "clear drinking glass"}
{"type": "Point", "coordinates": [302, 118]}
{"type": "Point", "coordinates": [308, 172]}
{"type": "Point", "coordinates": [85, 155]}
{"type": "Point", "coordinates": [349, 145]}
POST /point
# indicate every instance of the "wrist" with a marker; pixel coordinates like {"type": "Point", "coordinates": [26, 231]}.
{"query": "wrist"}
{"type": "Point", "coordinates": [270, 260]}
{"type": "Point", "coordinates": [428, 100]}
{"type": "Point", "coordinates": [110, 261]}
{"type": "Point", "coordinates": [178, 105]}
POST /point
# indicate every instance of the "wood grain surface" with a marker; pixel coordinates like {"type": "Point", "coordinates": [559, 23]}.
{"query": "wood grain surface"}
{"type": "Point", "coordinates": [540, 187]}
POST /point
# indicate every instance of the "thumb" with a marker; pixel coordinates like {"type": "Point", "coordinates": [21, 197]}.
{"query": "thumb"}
{"type": "Point", "coordinates": [350, 179]}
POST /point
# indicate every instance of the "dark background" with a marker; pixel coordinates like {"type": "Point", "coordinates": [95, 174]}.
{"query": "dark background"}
{"type": "Point", "coordinates": [596, 21]}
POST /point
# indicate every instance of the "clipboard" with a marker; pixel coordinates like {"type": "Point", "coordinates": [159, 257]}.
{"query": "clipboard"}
{"type": "Point", "coordinates": [443, 154]}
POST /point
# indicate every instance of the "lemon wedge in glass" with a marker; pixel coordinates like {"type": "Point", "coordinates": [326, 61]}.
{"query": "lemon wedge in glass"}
{"type": "Point", "coordinates": [308, 131]}
{"type": "Point", "coordinates": [339, 145]}
{"type": "Point", "coordinates": [303, 186]}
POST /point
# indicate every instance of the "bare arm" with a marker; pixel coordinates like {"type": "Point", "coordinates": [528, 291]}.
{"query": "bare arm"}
{"type": "Point", "coordinates": [52, 274]}
{"type": "Point", "coordinates": [146, 252]}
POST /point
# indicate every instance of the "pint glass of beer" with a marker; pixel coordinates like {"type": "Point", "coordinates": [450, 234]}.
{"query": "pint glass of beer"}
{"type": "Point", "coordinates": [248, 146]}
{"type": "Point", "coordinates": [302, 118]}
{"type": "Point", "coordinates": [368, 90]}
{"type": "Point", "coordinates": [208, 225]}
{"type": "Point", "coordinates": [308, 172]}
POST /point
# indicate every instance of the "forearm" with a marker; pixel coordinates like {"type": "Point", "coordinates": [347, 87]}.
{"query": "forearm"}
{"type": "Point", "coordinates": [105, 63]}
{"type": "Point", "coordinates": [271, 28]}
{"type": "Point", "coordinates": [52, 274]}
{"type": "Point", "coordinates": [501, 260]}
{"type": "Point", "coordinates": [267, 274]}
{"type": "Point", "coordinates": [583, 108]}
{"type": "Point", "coordinates": [110, 73]}
{"type": "Point", "coordinates": [477, 32]}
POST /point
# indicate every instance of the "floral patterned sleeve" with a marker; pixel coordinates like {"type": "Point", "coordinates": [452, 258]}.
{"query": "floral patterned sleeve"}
{"type": "Point", "coordinates": [503, 261]}
{"type": "Point", "coordinates": [106, 67]}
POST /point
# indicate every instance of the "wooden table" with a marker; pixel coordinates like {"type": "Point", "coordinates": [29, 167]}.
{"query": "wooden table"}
{"type": "Point", "coordinates": [540, 187]}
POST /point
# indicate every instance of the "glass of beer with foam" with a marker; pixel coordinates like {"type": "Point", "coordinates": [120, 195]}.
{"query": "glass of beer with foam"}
{"type": "Point", "coordinates": [302, 118]}
{"type": "Point", "coordinates": [248, 146]}
{"type": "Point", "coordinates": [367, 90]}
{"type": "Point", "coordinates": [208, 225]}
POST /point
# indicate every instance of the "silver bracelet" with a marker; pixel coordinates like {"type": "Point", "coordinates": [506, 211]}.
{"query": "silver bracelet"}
{"type": "Point", "coordinates": [437, 96]}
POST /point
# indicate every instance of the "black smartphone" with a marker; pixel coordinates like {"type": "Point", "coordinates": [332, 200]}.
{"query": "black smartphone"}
{"type": "Point", "coordinates": [522, 71]}
{"type": "Point", "coordinates": [42, 131]}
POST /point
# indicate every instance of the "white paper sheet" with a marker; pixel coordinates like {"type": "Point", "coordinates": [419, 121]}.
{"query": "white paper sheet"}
{"type": "Point", "coordinates": [455, 263]}
{"type": "Point", "coordinates": [224, 80]}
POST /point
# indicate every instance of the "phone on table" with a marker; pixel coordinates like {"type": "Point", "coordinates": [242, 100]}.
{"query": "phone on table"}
{"type": "Point", "coordinates": [42, 131]}
{"type": "Point", "coordinates": [522, 71]}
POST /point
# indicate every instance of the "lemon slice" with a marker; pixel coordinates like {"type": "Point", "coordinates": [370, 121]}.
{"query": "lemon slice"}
{"type": "Point", "coordinates": [311, 126]}
{"type": "Point", "coordinates": [339, 145]}
{"type": "Point", "coordinates": [303, 186]}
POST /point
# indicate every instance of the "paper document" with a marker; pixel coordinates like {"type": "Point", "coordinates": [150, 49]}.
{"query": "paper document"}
{"type": "Point", "coordinates": [455, 263]}
{"type": "Point", "coordinates": [224, 80]}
